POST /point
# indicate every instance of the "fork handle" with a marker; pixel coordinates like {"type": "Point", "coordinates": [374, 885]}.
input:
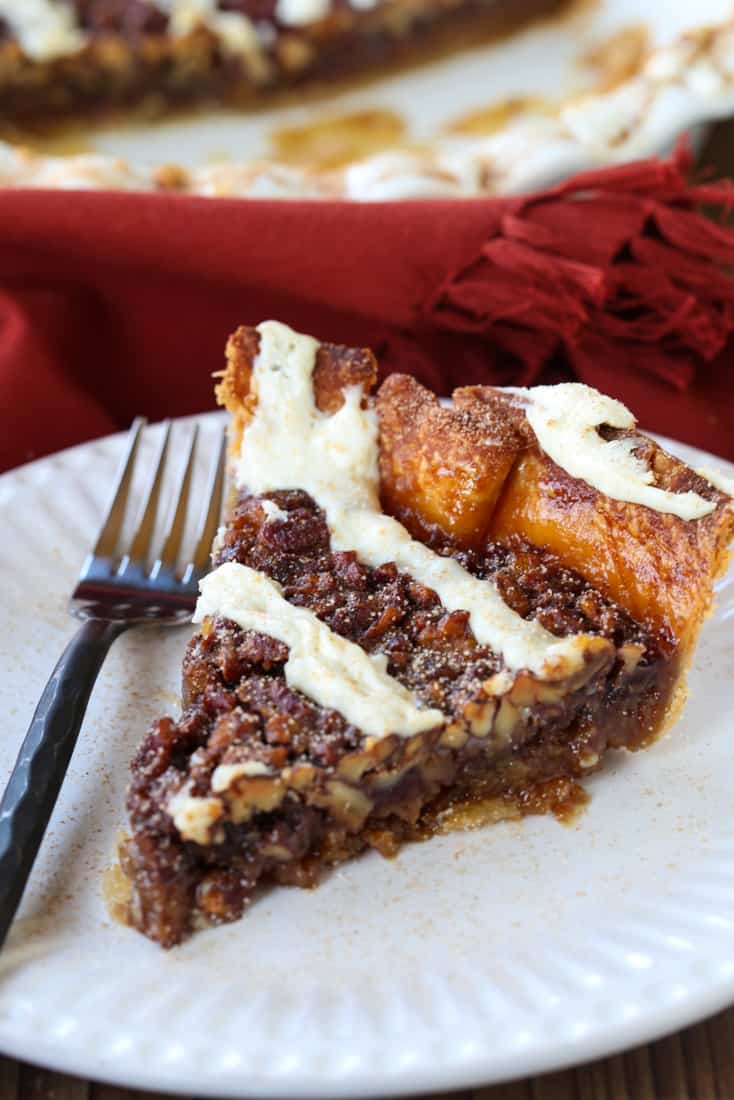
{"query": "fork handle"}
{"type": "Point", "coordinates": [39, 771]}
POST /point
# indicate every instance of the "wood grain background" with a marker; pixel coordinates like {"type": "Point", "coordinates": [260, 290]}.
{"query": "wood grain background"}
{"type": "Point", "coordinates": [695, 1064]}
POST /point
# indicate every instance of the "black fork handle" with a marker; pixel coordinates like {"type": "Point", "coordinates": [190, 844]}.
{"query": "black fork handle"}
{"type": "Point", "coordinates": [39, 771]}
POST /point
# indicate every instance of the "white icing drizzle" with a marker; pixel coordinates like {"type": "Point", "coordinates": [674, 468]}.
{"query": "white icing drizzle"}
{"type": "Point", "coordinates": [290, 444]}
{"type": "Point", "coordinates": [329, 669]}
{"type": "Point", "coordinates": [565, 419]}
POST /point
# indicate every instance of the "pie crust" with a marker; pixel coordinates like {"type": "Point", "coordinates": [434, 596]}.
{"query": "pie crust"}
{"type": "Point", "coordinates": [333, 700]}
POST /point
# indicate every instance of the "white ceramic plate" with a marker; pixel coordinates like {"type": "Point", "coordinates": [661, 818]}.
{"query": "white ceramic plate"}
{"type": "Point", "coordinates": [571, 122]}
{"type": "Point", "coordinates": [475, 957]}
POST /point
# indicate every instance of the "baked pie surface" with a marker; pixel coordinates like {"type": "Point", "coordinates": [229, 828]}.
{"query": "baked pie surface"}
{"type": "Point", "coordinates": [415, 612]}
{"type": "Point", "coordinates": [83, 57]}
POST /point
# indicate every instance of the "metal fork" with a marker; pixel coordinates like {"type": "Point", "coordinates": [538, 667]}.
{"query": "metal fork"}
{"type": "Point", "coordinates": [115, 590]}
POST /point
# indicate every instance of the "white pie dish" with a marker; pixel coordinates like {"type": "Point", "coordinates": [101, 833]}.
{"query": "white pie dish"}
{"type": "Point", "coordinates": [569, 122]}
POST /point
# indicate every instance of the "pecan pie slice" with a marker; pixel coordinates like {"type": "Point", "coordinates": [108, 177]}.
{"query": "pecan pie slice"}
{"type": "Point", "coordinates": [415, 611]}
{"type": "Point", "coordinates": [61, 57]}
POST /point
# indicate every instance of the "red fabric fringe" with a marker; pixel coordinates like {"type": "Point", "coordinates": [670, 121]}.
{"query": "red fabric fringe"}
{"type": "Point", "coordinates": [113, 304]}
{"type": "Point", "coordinates": [618, 266]}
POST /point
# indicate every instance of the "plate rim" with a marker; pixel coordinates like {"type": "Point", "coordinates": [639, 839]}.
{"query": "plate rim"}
{"type": "Point", "coordinates": [705, 998]}
{"type": "Point", "coordinates": [409, 1082]}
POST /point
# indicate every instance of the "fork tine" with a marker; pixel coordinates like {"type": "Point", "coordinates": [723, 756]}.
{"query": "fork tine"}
{"type": "Point", "coordinates": [141, 539]}
{"type": "Point", "coordinates": [210, 521]}
{"type": "Point", "coordinates": [172, 544]}
{"type": "Point", "coordinates": [109, 532]}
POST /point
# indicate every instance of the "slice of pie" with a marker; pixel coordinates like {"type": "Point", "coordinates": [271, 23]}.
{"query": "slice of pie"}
{"type": "Point", "coordinates": [80, 57]}
{"type": "Point", "coordinates": [418, 614]}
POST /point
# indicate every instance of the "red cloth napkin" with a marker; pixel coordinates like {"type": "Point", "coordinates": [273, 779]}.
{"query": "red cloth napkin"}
{"type": "Point", "coordinates": [118, 304]}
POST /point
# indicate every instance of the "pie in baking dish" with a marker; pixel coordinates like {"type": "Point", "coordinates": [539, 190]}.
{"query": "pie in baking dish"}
{"type": "Point", "coordinates": [80, 57]}
{"type": "Point", "coordinates": [415, 611]}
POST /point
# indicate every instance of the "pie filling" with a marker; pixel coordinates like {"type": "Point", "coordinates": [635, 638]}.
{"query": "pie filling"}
{"type": "Point", "coordinates": [362, 679]}
{"type": "Point", "coordinates": [62, 57]}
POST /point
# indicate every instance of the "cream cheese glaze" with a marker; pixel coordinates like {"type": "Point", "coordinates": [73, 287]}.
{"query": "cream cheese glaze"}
{"type": "Point", "coordinates": [329, 669]}
{"type": "Point", "coordinates": [290, 444]}
{"type": "Point", "coordinates": [565, 418]}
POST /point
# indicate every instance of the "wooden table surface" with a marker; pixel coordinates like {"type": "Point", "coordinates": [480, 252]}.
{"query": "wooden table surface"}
{"type": "Point", "coordinates": [694, 1064]}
